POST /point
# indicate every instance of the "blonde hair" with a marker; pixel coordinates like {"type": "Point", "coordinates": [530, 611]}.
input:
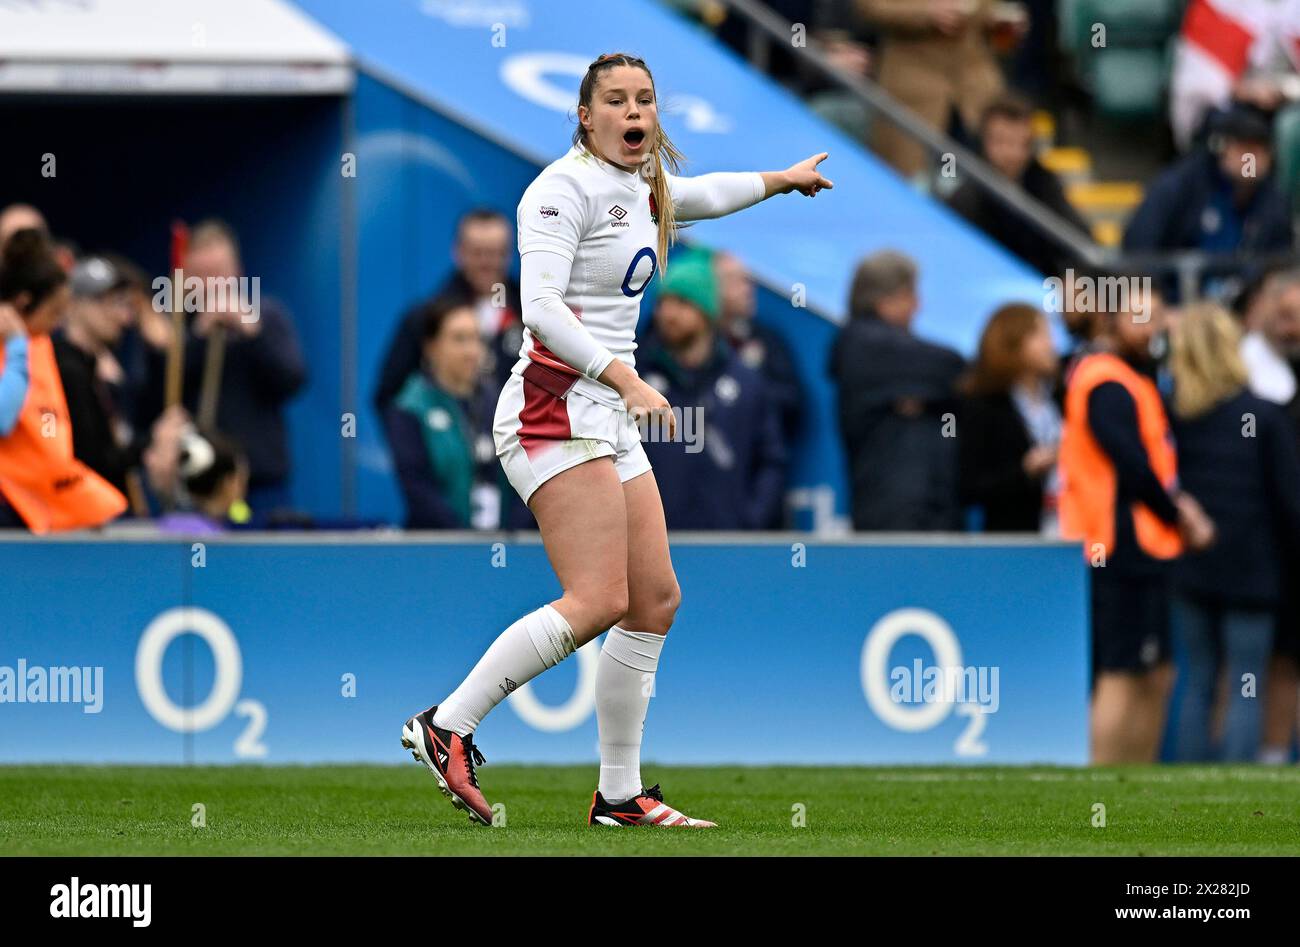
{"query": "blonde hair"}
{"type": "Point", "coordinates": [1205, 358]}
{"type": "Point", "coordinates": [663, 154]}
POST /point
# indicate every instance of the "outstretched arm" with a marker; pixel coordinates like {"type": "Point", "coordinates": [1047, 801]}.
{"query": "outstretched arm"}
{"type": "Point", "coordinates": [802, 177]}
{"type": "Point", "coordinates": [720, 193]}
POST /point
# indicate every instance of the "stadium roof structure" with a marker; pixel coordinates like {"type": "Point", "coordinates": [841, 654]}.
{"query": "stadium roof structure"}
{"type": "Point", "coordinates": [225, 47]}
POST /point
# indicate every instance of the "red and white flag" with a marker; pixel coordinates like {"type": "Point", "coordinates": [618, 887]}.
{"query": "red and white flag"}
{"type": "Point", "coordinates": [1220, 41]}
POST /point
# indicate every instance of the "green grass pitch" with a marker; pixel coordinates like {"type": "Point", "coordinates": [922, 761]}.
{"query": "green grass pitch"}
{"type": "Point", "coordinates": [383, 810]}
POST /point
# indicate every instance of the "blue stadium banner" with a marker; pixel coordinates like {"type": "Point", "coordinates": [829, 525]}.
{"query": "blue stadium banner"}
{"type": "Point", "coordinates": [316, 648]}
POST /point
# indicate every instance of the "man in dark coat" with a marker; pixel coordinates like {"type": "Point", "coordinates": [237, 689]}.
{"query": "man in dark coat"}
{"type": "Point", "coordinates": [897, 405]}
{"type": "Point", "coordinates": [1007, 143]}
{"type": "Point", "coordinates": [481, 253]}
{"type": "Point", "coordinates": [262, 369]}
{"type": "Point", "coordinates": [1220, 198]}
{"type": "Point", "coordinates": [760, 347]}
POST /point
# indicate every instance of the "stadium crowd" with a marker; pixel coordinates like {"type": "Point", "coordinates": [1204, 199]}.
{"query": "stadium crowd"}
{"type": "Point", "coordinates": [1167, 438]}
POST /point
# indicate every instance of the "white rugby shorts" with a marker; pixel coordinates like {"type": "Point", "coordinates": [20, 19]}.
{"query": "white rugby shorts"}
{"type": "Point", "coordinates": [543, 427]}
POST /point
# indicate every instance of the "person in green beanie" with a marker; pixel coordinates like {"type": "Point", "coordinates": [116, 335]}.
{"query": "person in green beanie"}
{"type": "Point", "coordinates": [727, 467]}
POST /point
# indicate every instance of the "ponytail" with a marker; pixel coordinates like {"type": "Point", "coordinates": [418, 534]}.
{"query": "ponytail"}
{"type": "Point", "coordinates": [663, 153]}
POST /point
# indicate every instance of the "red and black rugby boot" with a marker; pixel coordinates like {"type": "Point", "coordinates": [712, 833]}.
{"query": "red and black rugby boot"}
{"type": "Point", "coordinates": [451, 758]}
{"type": "Point", "coordinates": [648, 808]}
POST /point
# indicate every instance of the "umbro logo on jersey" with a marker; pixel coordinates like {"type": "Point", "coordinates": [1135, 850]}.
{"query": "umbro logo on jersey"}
{"type": "Point", "coordinates": [508, 686]}
{"type": "Point", "coordinates": [617, 212]}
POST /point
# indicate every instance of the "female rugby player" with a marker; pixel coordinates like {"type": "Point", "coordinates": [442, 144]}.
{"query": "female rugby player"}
{"type": "Point", "coordinates": [593, 228]}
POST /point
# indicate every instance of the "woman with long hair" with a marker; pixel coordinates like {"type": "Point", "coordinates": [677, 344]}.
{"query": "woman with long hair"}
{"type": "Point", "coordinates": [1010, 425]}
{"type": "Point", "coordinates": [1237, 455]}
{"type": "Point", "coordinates": [438, 424]}
{"type": "Point", "coordinates": [593, 229]}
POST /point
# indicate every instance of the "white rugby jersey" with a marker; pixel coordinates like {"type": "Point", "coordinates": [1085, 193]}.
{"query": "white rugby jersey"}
{"type": "Point", "coordinates": [602, 220]}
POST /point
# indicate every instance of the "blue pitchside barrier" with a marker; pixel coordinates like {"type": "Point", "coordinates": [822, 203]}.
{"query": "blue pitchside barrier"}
{"type": "Point", "coordinates": [283, 650]}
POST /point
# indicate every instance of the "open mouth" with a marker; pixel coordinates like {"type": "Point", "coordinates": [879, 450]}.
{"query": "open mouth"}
{"type": "Point", "coordinates": [633, 137]}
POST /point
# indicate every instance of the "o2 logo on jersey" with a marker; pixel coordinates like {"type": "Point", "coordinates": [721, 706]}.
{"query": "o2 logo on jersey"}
{"type": "Point", "coordinates": [917, 697]}
{"type": "Point", "coordinates": [636, 270]}
{"type": "Point", "coordinates": [227, 679]}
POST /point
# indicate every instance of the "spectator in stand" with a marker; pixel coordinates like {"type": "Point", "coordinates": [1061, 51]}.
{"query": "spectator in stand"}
{"type": "Point", "coordinates": [936, 59]}
{"type": "Point", "coordinates": [836, 34]}
{"type": "Point", "coordinates": [83, 348]}
{"type": "Point", "coordinates": [835, 25]}
{"type": "Point", "coordinates": [1118, 495]}
{"type": "Point", "coordinates": [1253, 301]}
{"type": "Point", "coordinates": [1220, 198]}
{"type": "Point", "coordinates": [18, 217]}
{"type": "Point", "coordinates": [897, 395]}
{"type": "Point", "coordinates": [1010, 426]}
{"type": "Point", "coordinates": [147, 330]}
{"type": "Point", "coordinates": [262, 370]}
{"type": "Point", "coordinates": [1237, 454]}
{"type": "Point", "coordinates": [1006, 138]}
{"type": "Point", "coordinates": [215, 474]}
{"type": "Point", "coordinates": [777, 60]}
{"type": "Point", "coordinates": [43, 487]}
{"type": "Point", "coordinates": [726, 468]}
{"type": "Point", "coordinates": [758, 346]}
{"type": "Point", "coordinates": [481, 254]}
{"type": "Point", "coordinates": [1271, 352]}
{"type": "Point", "coordinates": [439, 427]}
{"type": "Point", "coordinates": [1271, 348]}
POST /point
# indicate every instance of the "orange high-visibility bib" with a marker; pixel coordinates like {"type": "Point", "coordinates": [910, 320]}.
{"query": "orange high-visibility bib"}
{"type": "Point", "coordinates": [1088, 479]}
{"type": "Point", "coordinates": [45, 484]}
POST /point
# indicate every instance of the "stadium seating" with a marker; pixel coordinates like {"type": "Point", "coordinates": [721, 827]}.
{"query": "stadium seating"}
{"type": "Point", "coordinates": [1286, 137]}
{"type": "Point", "coordinates": [1126, 76]}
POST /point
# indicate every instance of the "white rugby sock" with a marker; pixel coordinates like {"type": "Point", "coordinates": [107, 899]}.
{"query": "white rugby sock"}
{"type": "Point", "coordinates": [624, 681]}
{"type": "Point", "coordinates": [539, 640]}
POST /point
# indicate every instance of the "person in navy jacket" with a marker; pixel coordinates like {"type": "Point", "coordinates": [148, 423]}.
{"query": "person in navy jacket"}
{"type": "Point", "coordinates": [1221, 198]}
{"type": "Point", "coordinates": [1237, 455]}
{"type": "Point", "coordinates": [727, 467]}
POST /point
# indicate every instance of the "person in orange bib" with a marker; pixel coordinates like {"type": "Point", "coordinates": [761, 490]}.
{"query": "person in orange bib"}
{"type": "Point", "coordinates": [43, 487]}
{"type": "Point", "coordinates": [1120, 497]}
